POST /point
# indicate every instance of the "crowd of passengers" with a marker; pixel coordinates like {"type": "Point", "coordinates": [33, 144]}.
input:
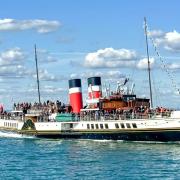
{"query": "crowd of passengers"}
{"type": "Point", "coordinates": [139, 112]}
{"type": "Point", "coordinates": [47, 107]}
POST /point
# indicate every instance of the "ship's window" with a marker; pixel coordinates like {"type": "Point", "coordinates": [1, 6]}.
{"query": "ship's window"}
{"type": "Point", "coordinates": [134, 125]}
{"type": "Point", "coordinates": [128, 125]}
{"type": "Point", "coordinates": [101, 126]}
{"type": "Point", "coordinates": [71, 125]}
{"type": "Point", "coordinates": [116, 125]}
{"type": "Point", "coordinates": [88, 127]}
{"type": "Point", "coordinates": [97, 127]}
{"type": "Point", "coordinates": [106, 126]}
{"type": "Point", "coordinates": [92, 126]}
{"type": "Point", "coordinates": [122, 125]}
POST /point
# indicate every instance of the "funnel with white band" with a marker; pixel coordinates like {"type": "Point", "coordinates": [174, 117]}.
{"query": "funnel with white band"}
{"type": "Point", "coordinates": [94, 88]}
{"type": "Point", "coordinates": [75, 95]}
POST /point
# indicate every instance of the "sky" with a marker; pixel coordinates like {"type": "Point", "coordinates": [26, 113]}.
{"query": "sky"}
{"type": "Point", "coordinates": [80, 39]}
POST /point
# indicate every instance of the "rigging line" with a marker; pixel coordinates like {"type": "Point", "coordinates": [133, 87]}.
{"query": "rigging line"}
{"type": "Point", "coordinates": [157, 91]}
{"type": "Point", "coordinates": [163, 63]}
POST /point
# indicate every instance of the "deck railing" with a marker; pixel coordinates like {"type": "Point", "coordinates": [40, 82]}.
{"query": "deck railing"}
{"type": "Point", "coordinates": [93, 116]}
{"type": "Point", "coordinates": [124, 116]}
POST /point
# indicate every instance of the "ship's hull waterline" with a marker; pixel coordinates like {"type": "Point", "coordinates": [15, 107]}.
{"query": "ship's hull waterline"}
{"type": "Point", "coordinates": [162, 135]}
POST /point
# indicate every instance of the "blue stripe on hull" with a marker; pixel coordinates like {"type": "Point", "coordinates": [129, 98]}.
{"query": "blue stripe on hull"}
{"type": "Point", "coordinates": [139, 136]}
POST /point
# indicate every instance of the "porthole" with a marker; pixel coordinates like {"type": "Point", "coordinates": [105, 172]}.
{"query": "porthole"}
{"type": "Point", "coordinates": [117, 125]}
{"type": "Point", "coordinates": [97, 127]}
{"type": "Point", "coordinates": [101, 126]}
{"type": "Point", "coordinates": [106, 126]}
{"type": "Point", "coordinates": [128, 125]}
{"type": "Point", "coordinates": [134, 125]}
{"type": "Point", "coordinates": [71, 125]}
{"type": "Point", "coordinates": [92, 126]}
{"type": "Point", "coordinates": [122, 125]}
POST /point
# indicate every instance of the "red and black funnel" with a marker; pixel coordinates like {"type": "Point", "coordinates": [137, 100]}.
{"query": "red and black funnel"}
{"type": "Point", "coordinates": [94, 88]}
{"type": "Point", "coordinates": [75, 95]}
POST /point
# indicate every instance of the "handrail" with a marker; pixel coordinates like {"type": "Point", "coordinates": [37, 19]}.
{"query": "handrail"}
{"type": "Point", "coordinates": [124, 116]}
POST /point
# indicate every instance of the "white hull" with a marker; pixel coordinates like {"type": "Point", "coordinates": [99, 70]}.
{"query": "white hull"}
{"type": "Point", "coordinates": [93, 129]}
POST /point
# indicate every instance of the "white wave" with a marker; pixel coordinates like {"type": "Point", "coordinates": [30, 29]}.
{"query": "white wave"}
{"type": "Point", "coordinates": [13, 135]}
{"type": "Point", "coordinates": [103, 140]}
{"type": "Point", "coordinates": [154, 142]}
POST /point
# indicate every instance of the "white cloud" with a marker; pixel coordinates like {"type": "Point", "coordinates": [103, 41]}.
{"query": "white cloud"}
{"type": "Point", "coordinates": [40, 25]}
{"type": "Point", "coordinates": [143, 63]}
{"type": "Point", "coordinates": [110, 58]}
{"type": "Point", "coordinates": [115, 74]}
{"type": "Point", "coordinates": [17, 71]}
{"type": "Point", "coordinates": [44, 75]}
{"type": "Point", "coordinates": [107, 75]}
{"type": "Point", "coordinates": [11, 56]}
{"type": "Point", "coordinates": [12, 64]}
{"type": "Point", "coordinates": [174, 66]}
{"type": "Point", "coordinates": [45, 89]}
{"type": "Point", "coordinates": [156, 33]}
{"type": "Point", "coordinates": [52, 89]}
{"type": "Point", "coordinates": [45, 57]}
{"type": "Point", "coordinates": [169, 40]}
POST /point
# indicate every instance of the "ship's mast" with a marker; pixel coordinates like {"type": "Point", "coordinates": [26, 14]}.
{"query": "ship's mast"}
{"type": "Point", "coordinates": [37, 74]}
{"type": "Point", "coordinates": [149, 68]}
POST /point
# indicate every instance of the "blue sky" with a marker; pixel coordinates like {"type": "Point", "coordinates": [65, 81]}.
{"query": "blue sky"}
{"type": "Point", "coordinates": [78, 39]}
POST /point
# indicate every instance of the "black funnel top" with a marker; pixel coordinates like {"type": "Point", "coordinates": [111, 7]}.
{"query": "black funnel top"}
{"type": "Point", "coordinates": [94, 81]}
{"type": "Point", "coordinates": [74, 83]}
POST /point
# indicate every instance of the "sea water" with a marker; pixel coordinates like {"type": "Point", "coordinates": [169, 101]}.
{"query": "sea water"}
{"type": "Point", "coordinates": [23, 157]}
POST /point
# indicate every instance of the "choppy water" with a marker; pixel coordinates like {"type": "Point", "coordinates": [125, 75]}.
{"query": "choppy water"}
{"type": "Point", "coordinates": [32, 158]}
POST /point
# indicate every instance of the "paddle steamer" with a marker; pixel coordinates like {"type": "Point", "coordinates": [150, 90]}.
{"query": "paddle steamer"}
{"type": "Point", "coordinates": [117, 116]}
